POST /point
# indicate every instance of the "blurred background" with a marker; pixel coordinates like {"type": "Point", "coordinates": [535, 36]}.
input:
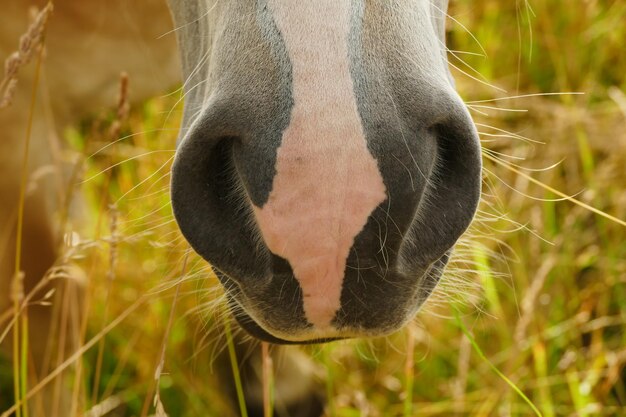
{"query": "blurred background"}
{"type": "Point", "coordinates": [532, 310]}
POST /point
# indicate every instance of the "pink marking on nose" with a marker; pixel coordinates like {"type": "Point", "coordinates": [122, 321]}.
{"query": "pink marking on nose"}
{"type": "Point", "coordinates": [327, 183]}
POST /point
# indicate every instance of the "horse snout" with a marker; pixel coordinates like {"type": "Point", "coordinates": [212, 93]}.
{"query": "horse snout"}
{"type": "Point", "coordinates": [340, 237]}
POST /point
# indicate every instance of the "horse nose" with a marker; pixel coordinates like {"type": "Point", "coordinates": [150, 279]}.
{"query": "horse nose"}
{"type": "Point", "coordinates": [349, 240]}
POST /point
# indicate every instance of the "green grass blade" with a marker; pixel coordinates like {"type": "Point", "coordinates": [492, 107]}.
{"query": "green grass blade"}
{"type": "Point", "coordinates": [491, 365]}
{"type": "Point", "coordinates": [235, 366]}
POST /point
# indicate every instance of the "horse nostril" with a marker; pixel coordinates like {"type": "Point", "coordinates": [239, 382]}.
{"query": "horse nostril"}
{"type": "Point", "coordinates": [451, 196]}
{"type": "Point", "coordinates": [210, 207]}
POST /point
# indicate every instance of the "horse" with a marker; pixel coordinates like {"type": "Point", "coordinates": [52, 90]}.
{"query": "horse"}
{"type": "Point", "coordinates": [325, 165]}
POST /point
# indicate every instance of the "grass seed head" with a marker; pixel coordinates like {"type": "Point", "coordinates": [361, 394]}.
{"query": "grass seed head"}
{"type": "Point", "coordinates": [30, 42]}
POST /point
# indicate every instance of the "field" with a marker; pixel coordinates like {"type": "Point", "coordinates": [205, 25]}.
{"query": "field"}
{"type": "Point", "coordinates": [530, 317]}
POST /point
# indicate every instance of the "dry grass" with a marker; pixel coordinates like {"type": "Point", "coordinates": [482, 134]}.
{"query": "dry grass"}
{"type": "Point", "coordinates": [29, 44]}
{"type": "Point", "coordinates": [535, 295]}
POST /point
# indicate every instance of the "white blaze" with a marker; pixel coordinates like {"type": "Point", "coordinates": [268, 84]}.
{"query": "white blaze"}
{"type": "Point", "coordinates": [327, 183]}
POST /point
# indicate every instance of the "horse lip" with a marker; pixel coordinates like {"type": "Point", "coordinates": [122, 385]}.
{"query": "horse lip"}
{"type": "Point", "coordinates": [248, 323]}
{"type": "Point", "coordinates": [425, 282]}
{"type": "Point", "coordinates": [255, 330]}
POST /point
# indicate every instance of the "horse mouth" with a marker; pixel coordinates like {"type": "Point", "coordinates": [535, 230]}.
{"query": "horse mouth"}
{"type": "Point", "coordinates": [346, 325]}
{"type": "Point", "coordinates": [255, 330]}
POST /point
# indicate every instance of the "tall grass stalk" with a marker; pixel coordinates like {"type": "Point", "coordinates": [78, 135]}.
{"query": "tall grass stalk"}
{"type": "Point", "coordinates": [268, 380]}
{"type": "Point", "coordinates": [20, 355]}
{"type": "Point", "coordinates": [235, 368]}
{"type": "Point", "coordinates": [326, 353]}
{"type": "Point", "coordinates": [541, 368]}
{"type": "Point", "coordinates": [113, 242]}
{"type": "Point", "coordinates": [494, 368]}
{"type": "Point", "coordinates": [121, 116]}
{"type": "Point", "coordinates": [24, 362]}
{"type": "Point", "coordinates": [159, 369]}
{"type": "Point", "coordinates": [409, 371]}
{"type": "Point", "coordinates": [123, 107]}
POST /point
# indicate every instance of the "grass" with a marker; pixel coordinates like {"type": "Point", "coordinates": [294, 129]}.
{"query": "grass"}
{"type": "Point", "coordinates": [536, 292]}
